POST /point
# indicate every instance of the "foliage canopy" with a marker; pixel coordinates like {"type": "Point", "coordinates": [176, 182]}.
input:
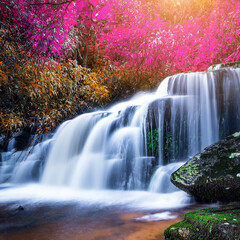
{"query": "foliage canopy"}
{"type": "Point", "coordinates": [49, 46]}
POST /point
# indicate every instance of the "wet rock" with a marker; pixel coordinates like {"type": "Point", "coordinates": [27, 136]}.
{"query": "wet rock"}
{"type": "Point", "coordinates": [212, 223]}
{"type": "Point", "coordinates": [212, 175]}
{"type": "Point", "coordinates": [22, 140]}
{"type": "Point", "coordinates": [20, 208]}
{"type": "Point", "coordinates": [4, 139]}
{"type": "Point", "coordinates": [224, 65]}
{"type": "Point", "coordinates": [159, 123]}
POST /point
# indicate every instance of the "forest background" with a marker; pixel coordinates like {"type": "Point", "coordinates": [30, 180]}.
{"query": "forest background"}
{"type": "Point", "coordinates": [59, 58]}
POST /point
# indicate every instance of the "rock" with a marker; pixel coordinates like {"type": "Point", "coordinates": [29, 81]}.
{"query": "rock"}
{"type": "Point", "coordinates": [212, 223]}
{"type": "Point", "coordinates": [20, 208]}
{"type": "Point", "coordinates": [161, 110]}
{"type": "Point", "coordinates": [213, 175]}
{"type": "Point", "coordinates": [18, 140]}
{"type": "Point", "coordinates": [22, 140]}
{"type": "Point", "coordinates": [4, 139]}
{"type": "Point", "coordinates": [224, 65]}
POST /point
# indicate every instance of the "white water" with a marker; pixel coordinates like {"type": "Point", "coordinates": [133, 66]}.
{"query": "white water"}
{"type": "Point", "coordinates": [157, 217]}
{"type": "Point", "coordinates": [134, 145]}
{"type": "Point", "coordinates": [160, 181]}
{"type": "Point", "coordinates": [38, 194]}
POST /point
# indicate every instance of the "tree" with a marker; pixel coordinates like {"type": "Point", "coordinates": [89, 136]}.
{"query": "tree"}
{"type": "Point", "coordinates": [155, 36]}
{"type": "Point", "coordinates": [148, 38]}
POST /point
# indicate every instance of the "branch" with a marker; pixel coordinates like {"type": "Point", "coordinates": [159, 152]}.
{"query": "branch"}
{"type": "Point", "coordinates": [53, 4]}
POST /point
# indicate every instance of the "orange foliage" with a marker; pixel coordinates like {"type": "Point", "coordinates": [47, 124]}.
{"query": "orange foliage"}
{"type": "Point", "coordinates": [42, 94]}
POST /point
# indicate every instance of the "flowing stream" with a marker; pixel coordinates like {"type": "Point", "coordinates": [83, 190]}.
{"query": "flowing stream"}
{"type": "Point", "coordinates": [134, 145]}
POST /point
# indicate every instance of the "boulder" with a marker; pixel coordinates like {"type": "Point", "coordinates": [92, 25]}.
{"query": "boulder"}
{"type": "Point", "coordinates": [209, 224]}
{"type": "Point", "coordinates": [214, 174]}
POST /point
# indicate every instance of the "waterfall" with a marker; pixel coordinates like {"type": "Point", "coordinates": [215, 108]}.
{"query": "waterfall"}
{"type": "Point", "coordinates": [136, 144]}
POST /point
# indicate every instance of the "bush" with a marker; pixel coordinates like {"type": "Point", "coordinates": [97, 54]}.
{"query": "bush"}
{"type": "Point", "coordinates": [41, 94]}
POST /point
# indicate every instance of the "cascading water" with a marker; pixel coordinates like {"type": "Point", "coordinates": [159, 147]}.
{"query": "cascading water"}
{"type": "Point", "coordinates": [129, 146]}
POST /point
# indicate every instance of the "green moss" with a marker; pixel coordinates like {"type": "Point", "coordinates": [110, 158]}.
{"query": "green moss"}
{"type": "Point", "coordinates": [237, 134]}
{"type": "Point", "coordinates": [198, 156]}
{"type": "Point", "coordinates": [178, 231]}
{"type": "Point", "coordinates": [234, 155]}
{"type": "Point", "coordinates": [212, 223]}
{"type": "Point", "coordinates": [187, 172]}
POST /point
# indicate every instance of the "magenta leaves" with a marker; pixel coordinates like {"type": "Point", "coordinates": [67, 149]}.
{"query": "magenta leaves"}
{"type": "Point", "coordinates": [139, 34]}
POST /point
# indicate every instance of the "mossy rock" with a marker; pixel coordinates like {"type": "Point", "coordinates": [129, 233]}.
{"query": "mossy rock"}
{"type": "Point", "coordinates": [214, 174]}
{"type": "Point", "coordinates": [207, 224]}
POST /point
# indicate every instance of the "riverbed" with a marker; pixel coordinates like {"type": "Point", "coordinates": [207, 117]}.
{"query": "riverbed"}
{"type": "Point", "coordinates": [36, 212]}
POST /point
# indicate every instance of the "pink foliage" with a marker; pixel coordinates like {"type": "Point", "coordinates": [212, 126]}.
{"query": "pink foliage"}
{"type": "Point", "coordinates": [130, 33]}
{"type": "Point", "coordinates": [155, 45]}
{"type": "Point", "coordinates": [42, 26]}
